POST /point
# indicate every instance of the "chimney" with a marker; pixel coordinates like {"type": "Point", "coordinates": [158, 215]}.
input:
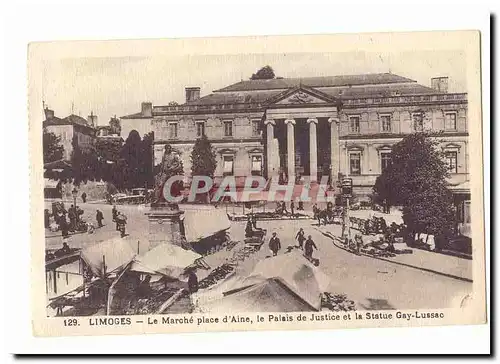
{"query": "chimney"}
{"type": "Point", "coordinates": [92, 119]}
{"type": "Point", "coordinates": [440, 84]}
{"type": "Point", "coordinates": [49, 114]}
{"type": "Point", "coordinates": [147, 109]}
{"type": "Point", "coordinates": [192, 93]}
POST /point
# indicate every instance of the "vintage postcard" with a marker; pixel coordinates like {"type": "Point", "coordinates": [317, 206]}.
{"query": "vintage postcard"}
{"type": "Point", "coordinates": [256, 183]}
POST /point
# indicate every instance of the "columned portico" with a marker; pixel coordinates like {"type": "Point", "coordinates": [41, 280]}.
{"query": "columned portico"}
{"type": "Point", "coordinates": [313, 149]}
{"type": "Point", "coordinates": [303, 138]}
{"type": "Point", "coordinates": [334, 148]}
{"type": "Point", "coordinates": [290, 144]}
{"type": "Point", "coordinates": [270, 123]}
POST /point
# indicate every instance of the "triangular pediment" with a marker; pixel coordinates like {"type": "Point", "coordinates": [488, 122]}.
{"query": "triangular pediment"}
{"type": "Point", "coordinates": [301, 96]}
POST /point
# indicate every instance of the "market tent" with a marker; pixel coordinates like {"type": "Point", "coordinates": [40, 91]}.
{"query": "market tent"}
{"type": "Point", "coordinates": [202, 223]}
{"type": "Point", "coordinates": [302, 277]}
{"type": "Point", "coordinates": [115, 254]}
{"type": "Point", "coordinates": [270, 295]}
{"type": "Point", "coordinates": [166, 259]}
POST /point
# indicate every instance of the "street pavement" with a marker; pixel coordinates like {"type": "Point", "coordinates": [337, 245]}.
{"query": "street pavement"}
{"type": "Point", "coordinates": [373, 284]}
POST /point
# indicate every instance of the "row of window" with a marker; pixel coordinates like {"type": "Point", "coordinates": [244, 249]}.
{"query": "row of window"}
{"type": "Point", "coordinates": [173, 129]}
{"type": "Point", "coordinates": [228, 165]}
{"type": "Point", "coordinates": [451, 158]}
{"type": "Point", "coordinates": [450, 122]}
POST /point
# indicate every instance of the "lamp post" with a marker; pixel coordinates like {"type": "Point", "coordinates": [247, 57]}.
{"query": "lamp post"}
{"type": "Point", "coordinates": [75, 194]}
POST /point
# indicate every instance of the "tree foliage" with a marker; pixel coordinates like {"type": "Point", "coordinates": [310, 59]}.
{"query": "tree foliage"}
{"type": "Point", "coordinates": [203, 161]}
{"type": "Point", "coordinates": [265, 73]}
{"type": "Point", "coordinates": [52, 149]}
{"type": "Point", "coordinates": [147, 159]}
{"type": "Point", "coordinates": [416, 180]}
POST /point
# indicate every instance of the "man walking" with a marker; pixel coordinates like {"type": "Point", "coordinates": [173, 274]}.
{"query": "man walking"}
{"type": "Point", "coordinates": [292, 208]}
{"type": "Point", "coordinates": [301, 237]}
{"type": "Point", "coordinates": [99, 217]}
{"type": "Point", "coordinates": [72, 218]}
{"type": "Point", "coordinates": [274, 244]}
{"type": "Point", "coordinates": [308, 248]}
{"type": "Point", "coordinates": [84, 197]}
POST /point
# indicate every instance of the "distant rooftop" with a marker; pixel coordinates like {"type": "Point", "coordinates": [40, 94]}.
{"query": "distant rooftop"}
{"type": "Point", "coordinates": [71, 119]}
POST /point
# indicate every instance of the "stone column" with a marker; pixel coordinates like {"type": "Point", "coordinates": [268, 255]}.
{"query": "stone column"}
{"type": "Point", "coordinates": [334, 148]}
{"type": "Point", "coordinates": [290, 145]}
{"type": "Point", "coordinates": [313, 150]}
{"type": "Point", "coordinates": [269, 147]}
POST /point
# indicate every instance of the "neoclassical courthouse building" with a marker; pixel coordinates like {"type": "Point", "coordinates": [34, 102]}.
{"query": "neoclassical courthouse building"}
{"type": "Point", "coordinates": [317, 126]}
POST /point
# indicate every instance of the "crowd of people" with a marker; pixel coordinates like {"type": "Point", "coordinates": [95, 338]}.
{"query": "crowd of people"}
{"type": "Point", "coordinates": [70, 221]}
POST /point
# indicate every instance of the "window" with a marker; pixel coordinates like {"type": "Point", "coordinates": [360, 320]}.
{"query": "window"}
{"type": "Point", "coordinates": [200, 129]}
{"type": "Point", "coordinates": [450, 121]}
{"type": "Point", "coordinates": [354, 124]}
{"type": "Point", "coordinates": [385, 123]}
{"type": "Point", "coordinates": [228, 165]}
{"type": "Point", "coordinates": [355, 163]}
{"type": "Point", "coordinates": [172, 132]}
{"type": "Point", "coordinates": [256, 165]}
{"type": "Point", "coordinates": [228, 128]}
{"type": "Point", "coordinates": [418, 122]}
{"type": "Point", "coordinates": [451, 161]}
{"type": "Point", "coordinates": [385, 160]}
{"type": "Point", "coordinates": [255, 127]}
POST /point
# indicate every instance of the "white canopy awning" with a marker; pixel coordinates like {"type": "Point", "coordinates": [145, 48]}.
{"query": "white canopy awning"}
{"type": "Point", "coordinates": [167, 259]}
{"type": "Point", "coordinates": [202, 223]}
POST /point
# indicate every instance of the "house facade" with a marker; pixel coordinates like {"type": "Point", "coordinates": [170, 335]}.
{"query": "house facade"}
{"type": "Point", "coordinates": [70, 126]}
{"type": "Point", "coordinates": [141, 121]}
{"type": "Point", "coordinates": [316, 127]}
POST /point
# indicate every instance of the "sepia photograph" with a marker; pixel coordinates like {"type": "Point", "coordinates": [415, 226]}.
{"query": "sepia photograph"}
{"type": "Point", "coordinates": [186, 190]}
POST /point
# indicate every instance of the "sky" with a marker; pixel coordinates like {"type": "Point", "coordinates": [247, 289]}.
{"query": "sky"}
{"type": "Point", "coordinates": [118, 85]}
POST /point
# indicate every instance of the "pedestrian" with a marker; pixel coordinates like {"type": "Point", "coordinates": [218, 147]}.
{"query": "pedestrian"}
{"type": "Point", "coordinates": [308, 247]}
{"type": "Point", "coordinates": [192, 281]}
{"type": "Point", "coordinates": [283, 208]}
{"type": "Point", "coordinates": [301, 206]}
{"type": "Point", "coordinates": [301, 237]}
{"type": "Point", "coordinates": [72, 218]}
{"type": "Point", "coordinates": [64, 226]}
{"type": "Point", "coordinates": [46, 220]}
{"type": "Point", "coordinates": [248, 228]}
{"type": "Point", "coordinates": [99, 217]}
{"type": "Point", "coordinates": [274, 244]}
{"type": "Point", "coordinates": [254, 221]}
{"type": "Point", "coordinates": [121, 221]}
{"type": "Point", "coordinates": [84, 197]}
{"type": "Point", "coordinates": [292, 208]}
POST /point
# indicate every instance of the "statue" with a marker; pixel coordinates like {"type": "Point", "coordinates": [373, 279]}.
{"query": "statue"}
{"type": "Point", "coordinates": [170, 166]}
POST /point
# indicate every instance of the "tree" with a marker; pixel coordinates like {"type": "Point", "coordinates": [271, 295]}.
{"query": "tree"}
{"type": "Point", "coordinates": [52, 149]}
{"type": "Point", "coordinates": [203, 161]}
{"type": "Point", "coordinates": [147, 159]}
{"type": "Point", "coordinates": [77, 163]}
{"type": "Point", "coordinates": [131, 155]}
{"type": "Point", "coordinates": [416, 180]}
{"type": "Point", "coordinates": [265, 73]}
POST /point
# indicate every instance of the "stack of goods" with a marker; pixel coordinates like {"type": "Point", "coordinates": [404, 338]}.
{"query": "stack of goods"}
{"type": "Point", "coordinates": [336, 302]}
{"type": "Point", "coordinates": [377, 251]}
{"type": "Point", "coordinates": [215, 276]}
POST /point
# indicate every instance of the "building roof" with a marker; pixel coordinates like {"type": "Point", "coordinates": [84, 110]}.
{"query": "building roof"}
{"type": "Point", "coordinates": [137, 115]}
{"type": "Point", "coordinates": [346, 92]}
{"type": "Point", "coordinates": [68, 120]}
{"type": "Point", "coordinates": [325, 81]}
